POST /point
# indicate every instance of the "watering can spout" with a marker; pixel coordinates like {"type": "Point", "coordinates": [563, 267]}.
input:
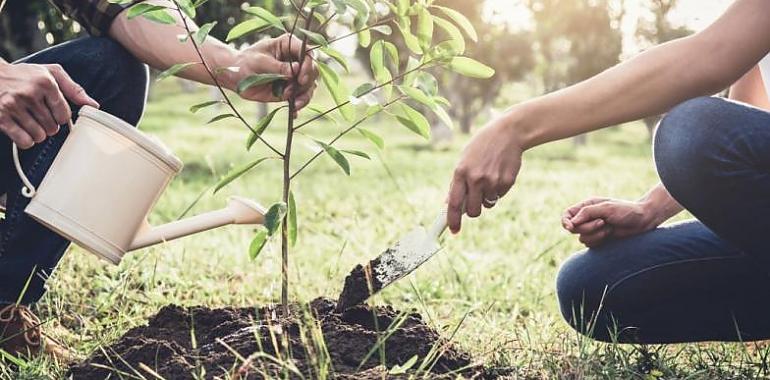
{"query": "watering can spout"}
{"type": "Point", "coordinates": [238, 211]}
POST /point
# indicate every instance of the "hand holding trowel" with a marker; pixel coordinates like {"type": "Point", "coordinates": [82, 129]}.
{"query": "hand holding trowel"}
{"type": "Point", "coordinates": [403, 258]}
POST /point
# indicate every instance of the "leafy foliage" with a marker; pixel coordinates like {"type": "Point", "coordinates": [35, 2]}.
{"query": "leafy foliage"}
{"type": "Point", "coordinates": [367, 20]}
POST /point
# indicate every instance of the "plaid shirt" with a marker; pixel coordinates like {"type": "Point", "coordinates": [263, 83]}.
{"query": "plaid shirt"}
{"type": "Point", "coordinates": [94, 15]}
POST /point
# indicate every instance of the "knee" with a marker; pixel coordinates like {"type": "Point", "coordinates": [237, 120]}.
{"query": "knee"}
{"type": "Point", "coordinates": [118, 80]}
{"type": "Point", "coordinates": [580, 291]}
{"type": "Point", "coordinates": [687, 141]}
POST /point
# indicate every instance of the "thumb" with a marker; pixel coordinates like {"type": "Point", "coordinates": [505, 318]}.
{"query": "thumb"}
{"type": "Point", "coordinates": [71, 90]}
{"type": "Point", "coordinates": [589, 213]}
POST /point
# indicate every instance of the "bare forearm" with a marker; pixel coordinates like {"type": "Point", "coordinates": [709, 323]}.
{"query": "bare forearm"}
{"type": "Point", "coordinates": [654, 81]}
{"type": "Point", "coordinates": [158, 45]}
{"type": "Point", "coordinates": [659, 205]}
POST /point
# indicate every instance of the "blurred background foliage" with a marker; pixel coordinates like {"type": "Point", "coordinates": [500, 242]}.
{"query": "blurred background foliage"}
{"type": "Point", "coordinates": [567, 41]}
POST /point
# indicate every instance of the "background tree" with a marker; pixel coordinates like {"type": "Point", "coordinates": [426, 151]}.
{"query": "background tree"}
{"type": "Point", "coordinates": [576, 39]}
{"type": "Point", "coordinates": [658, 30]}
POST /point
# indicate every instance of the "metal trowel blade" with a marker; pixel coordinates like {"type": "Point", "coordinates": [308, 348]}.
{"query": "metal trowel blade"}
{"type": "Point", "coordinates": [413, 250]}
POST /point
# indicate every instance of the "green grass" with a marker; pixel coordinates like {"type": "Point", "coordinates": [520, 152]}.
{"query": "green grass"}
{"type": "Point", "coordinates": [500, 271]}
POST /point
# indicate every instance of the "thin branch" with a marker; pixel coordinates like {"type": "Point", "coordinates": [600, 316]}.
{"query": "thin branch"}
{"type": "Point", "coordinates": [351, 34]}
{"type": "Point", "coordinates": [287, 163]}
{"type": "Point", "coordinates": [216, 80]}
{"type": "Point", "coordinates": [343, 133]}
{"type": "Point", "coordinates": [375, 88]}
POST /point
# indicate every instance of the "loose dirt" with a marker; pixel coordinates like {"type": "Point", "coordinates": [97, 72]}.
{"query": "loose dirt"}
{"type": "Point", "coordinates": [255, 343]}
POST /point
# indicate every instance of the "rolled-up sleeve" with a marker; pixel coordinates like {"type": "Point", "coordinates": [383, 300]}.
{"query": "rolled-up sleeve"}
{"type": "Point", "coordinates": [95, 16]}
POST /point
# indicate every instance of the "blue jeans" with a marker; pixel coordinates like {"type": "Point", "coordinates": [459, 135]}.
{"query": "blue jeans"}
{"type": "Point", "coordinates": [115, 79]}
{"type": "Point", "coordinates": [702, 280]}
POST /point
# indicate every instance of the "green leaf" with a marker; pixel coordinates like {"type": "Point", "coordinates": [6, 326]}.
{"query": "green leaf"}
{"type": "Point", "coordinates": [237, 173]}
{"type": "Point", "coordinates": [392, 51]}
{"type": "Point", "coordinates": [316, 38]}
{"type": "Point", "coordinates": [173, 70]}
{"type": "Point", "coordinates": [376, 139]}
{"type": "Point", "coordinates": [260, 128]}
{"type": "Point", "coordinates": [337, 89]}
{"type": "Point", "coordinates": [470, 67]}
{"type": "Point", "coordinates": [187, 7]}
{"type": "Point", "coordinates": [337, 56]}
{"type": "Point", "coordinates": [292, 219]}
{"type": "Point", "coordinates": [365, 38]}
{"type": "Point", "coordinates": [338, 157]}
{"type": "Point", "coordinates": [460, 20]}
{"type": "Point", "coordinates": [456, 38]}
{"type": "Point", "coordinates": [402, 7]}
{"type": "Point", "coordinates": [403, 369]}
{"type": "Point", "coordinates": [274, 217]}
{"type": "Point", "coordinates": [363, 90]}
{"type": "Point", "coordinates": [411, 41]}
{"type": "Point", "coordinates": [258, 243]}
{"type": "Point", "coordinates": [383, 29]}
{"type": "Point", "coordinates": [156, 13]}
{"type": "Point", "coordinates": [200, 106]}
{"type": "Point", "coordinates": [357, 153]}
{"type": "Point", "coordinates": [319, 111]}
{"type": "Point", "coordinates": [417, 95]}
{"type": "Point", "coordinates": [424, 28]}
{"type": "Point", "coordinates": [444, 117]}
{"type": "Point", "coordinates": [200, 35]}
{"type": "Point", "coordinates": [427, 83]}
{"type": "Point", "coordinates": [258, 80]}
{"type": "Point", "coordinates": [414, 120]}
{"type": "Point", "coordinates": [267, 16]}
{"type": "Point", "coordinates": [376, 57]}
{"type": "Point", "coordinates": [411, 68]}
{"type": "Point", "coordinates": [246, 27]}
{"type": "Point", "coordinates": [221, 117]}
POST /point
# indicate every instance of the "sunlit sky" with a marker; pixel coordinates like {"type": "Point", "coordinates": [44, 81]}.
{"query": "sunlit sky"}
{"type": "Point", "coordinates": [696, 14]}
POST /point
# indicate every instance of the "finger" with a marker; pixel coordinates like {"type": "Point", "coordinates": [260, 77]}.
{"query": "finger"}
{"type": "Point", "coordinates": [58, 107]}
{"type": "Point", "coordinates": [16, 134]}
{"type": "Point", "coordinates": [456, 202]}
{"type": "Point", "coordinates": [30, 125]}
{"type": "Point", "coordinates": [42, 114]}
{"type": "Point", "coordinates": [290, 47]}
{"type": "Point", "coordinates": [474, 199]}
{"type": "Point", "coordinates": [588, 202]}
{"type": "Point", "coordinates": [589, 213]}
{"type": "Point", "coordinates": [490, 199]}
{"type": "Point", "coordinates": [71, 90]}
{"type": "Point", "coordinates": [597, 238]}
{"type": "Point", "coordinates": [566, 221]}
{"type": "Point", "coordinates": [304, 99]}
{"type": "Point", "coordinates": [590, 227]}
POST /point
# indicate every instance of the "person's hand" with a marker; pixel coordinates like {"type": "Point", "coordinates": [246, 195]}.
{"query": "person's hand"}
{"type": "Point", "coordinates": [598, 220]}
{"type": "Point", "coordinates": [277, 56]}
{"type": "Point", "coordinates": [33, 101]}
{"type": "Point", "coordinates": [486, 172]}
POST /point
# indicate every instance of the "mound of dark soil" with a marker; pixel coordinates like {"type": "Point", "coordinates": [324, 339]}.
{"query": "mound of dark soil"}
{"type": "Point", "coordinates": [255, 344]}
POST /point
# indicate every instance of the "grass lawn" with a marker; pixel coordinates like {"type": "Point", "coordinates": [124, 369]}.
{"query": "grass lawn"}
{"type": "Point", "coordinates": [499, 272]}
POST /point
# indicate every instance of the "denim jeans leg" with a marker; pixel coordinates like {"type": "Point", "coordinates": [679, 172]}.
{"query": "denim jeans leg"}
{"type": "Point", "coordinates": [713, 156]}
{"type": "Point", "coordinates": [115, 79]}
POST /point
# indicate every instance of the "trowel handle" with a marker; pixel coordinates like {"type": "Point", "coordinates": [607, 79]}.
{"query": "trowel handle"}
{"type": "Point", "coordinates": [29, 189]}
{"type": "Point", "coordinates": [439, 225]}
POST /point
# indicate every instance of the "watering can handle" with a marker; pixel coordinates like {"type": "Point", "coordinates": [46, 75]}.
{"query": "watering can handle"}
{"type": "Point", "coordinates": [29, 189]}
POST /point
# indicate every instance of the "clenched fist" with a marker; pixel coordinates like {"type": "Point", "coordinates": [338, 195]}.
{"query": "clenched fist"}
{"type": "Point", "coordinates": [33, 101]}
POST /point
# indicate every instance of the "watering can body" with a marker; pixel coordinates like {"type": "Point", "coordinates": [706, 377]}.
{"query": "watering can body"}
{"type": "Point", "coordinates": [104, 183]}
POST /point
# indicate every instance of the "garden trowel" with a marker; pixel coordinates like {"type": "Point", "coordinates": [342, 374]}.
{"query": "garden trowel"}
{"type": "Point", "coordinates": [403, 258]}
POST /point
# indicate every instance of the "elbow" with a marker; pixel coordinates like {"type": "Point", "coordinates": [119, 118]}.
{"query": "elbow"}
{"type": "Point", "coordinates": [715, 64]}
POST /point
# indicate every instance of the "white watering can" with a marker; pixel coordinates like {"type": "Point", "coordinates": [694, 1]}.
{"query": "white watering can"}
{"type": "Point", "coordinates": [105, 181]}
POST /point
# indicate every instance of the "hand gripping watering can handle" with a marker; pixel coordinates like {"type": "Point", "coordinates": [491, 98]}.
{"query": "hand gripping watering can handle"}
{"type": "Point", "coordinates": [29, 189]}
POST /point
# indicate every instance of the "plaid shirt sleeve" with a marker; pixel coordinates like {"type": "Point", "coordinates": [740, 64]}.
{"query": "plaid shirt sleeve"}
{"type": "Point", "coordinates": [95, 16]}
